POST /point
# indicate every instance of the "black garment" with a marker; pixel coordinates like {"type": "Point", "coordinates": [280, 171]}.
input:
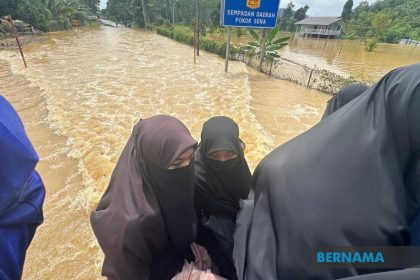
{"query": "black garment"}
{"type": "Point", "coordinates": [219, 186]}
{"type": "Point", "coordinates": [343, 97]}
{"type": "Point", "coordinates": [177, 216]}
{"type": "Point", "coordinates": [243, 222]}
{"type": "Point", "coordinates": [342, 183]}
{"type": "Point", "coordinates": [218, 253]}
{"type": "Point", "coordinates": [146, 206]}
{"type": "Point", "coordinates": [168, 263]}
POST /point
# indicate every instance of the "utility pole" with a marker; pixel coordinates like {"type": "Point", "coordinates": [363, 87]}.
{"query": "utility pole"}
{"type": "Point", "coordinates": [173, 12]}
{"type": "Point", "coordinates": [14, 34]}
{"type": "Point", "coordinates": [197, 26]}
{"type": "Point", "coordinates": [228, 49]}
{"type": "Point", "coordinates": [144, 14]}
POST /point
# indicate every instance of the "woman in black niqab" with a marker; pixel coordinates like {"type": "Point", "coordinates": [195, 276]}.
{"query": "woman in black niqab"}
{"type": "Point", "coordinates": [344, 96]}
{"type": "Point", "coordinates": [345, 182]}
{"type": "Point", "coordinates": [219, 187]}
{"type": "Point", "coordinates": [145, 221]}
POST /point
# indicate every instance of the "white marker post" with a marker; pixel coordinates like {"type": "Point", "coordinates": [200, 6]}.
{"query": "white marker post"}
{"type": "Point", "coordinates": [228, 49]}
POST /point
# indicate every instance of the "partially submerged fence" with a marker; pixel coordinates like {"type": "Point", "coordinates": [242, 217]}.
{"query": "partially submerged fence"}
{"type": "Point", "coordinates": [319, 79]}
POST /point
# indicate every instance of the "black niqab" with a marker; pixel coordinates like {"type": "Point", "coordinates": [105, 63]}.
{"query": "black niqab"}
{"type": "Point", "coordinates": [344, 96]}
{"type": "Point", "coordinates": [220, 185]}
{"type": "Point", "coordinates": [146, 216]}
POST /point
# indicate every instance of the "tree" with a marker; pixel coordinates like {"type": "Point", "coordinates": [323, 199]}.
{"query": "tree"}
{"type": "Point", "coordinates": [93, 5]}
{"type": "Point", "coordinates": [380, 25]}
{"type": "Point", "coordinates": [8, 7]}
{"type": "Point", "coordinates": [120, 11]}
{"type": "Point", "coordinates": [265, 45]}
{"type": "Point", "coordinates": [363, 7]}
{"type": "Point", "coordinates": [359, 27]}
{"type": "Point", "coordinates": [300, 13]}
{"type": "Point", "coordinates": [290, 17]}
{"type": "Point", "coordinates": [385, 21]}
{"type": "Point", "coordinates": [35, 13]}
{"type": "Point", "coordinates": [347, 11]}
{"type": "Point", "coordinates": [287, 18]}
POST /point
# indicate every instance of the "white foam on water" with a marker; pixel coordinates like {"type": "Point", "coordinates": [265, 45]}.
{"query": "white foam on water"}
{"type": "Point", "coordinates": [299, 111]}
{"type": "Point", "coordinates": [97, 86]}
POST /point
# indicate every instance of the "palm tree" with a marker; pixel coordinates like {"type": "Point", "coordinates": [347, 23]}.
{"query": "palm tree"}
{"type": "Point", "coordinates": [265, 46]}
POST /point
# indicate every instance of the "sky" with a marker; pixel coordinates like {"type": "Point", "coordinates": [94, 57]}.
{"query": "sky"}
{"type": "Point", "coordinates": [319, 8]}
{"type": "Point", "coordinates": [103, 4]}
{"type": "Point", "coordinates": [316, 8]}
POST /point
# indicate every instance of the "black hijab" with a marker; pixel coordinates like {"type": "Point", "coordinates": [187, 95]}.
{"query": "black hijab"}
{"type": "Point", "coordinates": [344, 96]}
{"type": "Point", "coordinates": [147, 206]}
{"type": "Point", "coordinates": [220, 185]}
{"type": "Point", "coordinates": [345, 182]}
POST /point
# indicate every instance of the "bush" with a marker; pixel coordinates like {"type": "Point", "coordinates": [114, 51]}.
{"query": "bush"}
{"type": "Point", "coordinates": [35, 13]}
{"type": "Point", "coordinates": [370, 44]}
{"type": "Point", "coordinates": [184, 35]}
{"type": "Point", "coordinates": [327, 81]}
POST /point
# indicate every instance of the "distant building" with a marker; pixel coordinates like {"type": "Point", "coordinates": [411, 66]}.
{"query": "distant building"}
{"type": "Point", "coordinates": [410, 42]}
{"type": "Point", "coordinates": [327, 27]}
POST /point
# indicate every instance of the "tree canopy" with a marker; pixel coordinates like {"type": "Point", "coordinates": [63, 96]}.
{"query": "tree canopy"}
{"type": "Point", "coordinates": [45, 14]}
{"type": "Point", "coordinates": [385, 21]}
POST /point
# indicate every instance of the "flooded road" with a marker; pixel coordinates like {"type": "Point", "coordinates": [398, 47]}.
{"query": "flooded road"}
{"type": "Point", "coordinates": [80, 98]}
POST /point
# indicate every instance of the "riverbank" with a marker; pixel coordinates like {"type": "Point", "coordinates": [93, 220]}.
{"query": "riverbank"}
{"type": "Point", "coordinates": [343, 57]}
{"type": "Point", "coordinates": [284, 69]}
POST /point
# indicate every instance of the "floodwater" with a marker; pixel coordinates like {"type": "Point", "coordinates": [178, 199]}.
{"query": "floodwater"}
{"type": "Point", "coordinates": [83, 92]}
{"type": "Point", "coordinates": [342, 56]}
{"type": "Point", "coordinates": [351, 56]}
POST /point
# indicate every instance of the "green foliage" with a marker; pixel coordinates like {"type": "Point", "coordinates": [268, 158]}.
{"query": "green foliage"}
{"type": "Point", "coordinates": [330, 82]}
{"type": "Point", "coordinates": [240, 31]}
{"type": "Point", "coordinates": [164, 12]}
{"type": "Point", "coordinates": [347, 11]}
{"type": "Point", "coordinates": [35, 13]}
{"type": "Point", "coordinates": [93, 5]}
{"type": "Point", "coordinates": [184, 35]}
{"type": "Point", "coordinates": [370, 44]}
{"type": "Point", "coordinates": [290, 17]}
{"type": "Point", "coordinates": [48, 15]}
{"type": "Point", "coordinates": [385, 21]}
{"type": "Point", "coordinates": [300, 13]}
{"type": "Point", "coordinates": [269, 45]}
{"type": "Point", "coordinates": [8, 7]}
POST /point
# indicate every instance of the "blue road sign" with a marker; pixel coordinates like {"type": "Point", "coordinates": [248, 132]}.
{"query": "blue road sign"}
{"type": "Point", "coordinates": [250, 13]}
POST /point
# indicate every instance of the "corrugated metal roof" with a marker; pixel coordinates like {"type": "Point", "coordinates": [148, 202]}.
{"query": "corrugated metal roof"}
{"type": "Point", "coordinates": [318, 21]}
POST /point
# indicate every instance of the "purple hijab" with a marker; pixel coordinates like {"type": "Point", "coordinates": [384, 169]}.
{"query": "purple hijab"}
{"type": "Point", "coordinates": [146, 205]}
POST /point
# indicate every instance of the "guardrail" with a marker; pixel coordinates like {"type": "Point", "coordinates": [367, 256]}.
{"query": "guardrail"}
{"type": "Point", "coordinates": [325, 32]}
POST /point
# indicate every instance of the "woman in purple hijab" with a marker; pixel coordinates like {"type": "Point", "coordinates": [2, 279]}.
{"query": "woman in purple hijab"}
{"type": "Point", "coordinates": [145, 221]}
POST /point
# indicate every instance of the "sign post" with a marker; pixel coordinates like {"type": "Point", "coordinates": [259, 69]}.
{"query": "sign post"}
{"type": "Point", "coordinates": [228, 49]}
{"type": "Point", "coordinates": [14, 34]}
{"type": "Point", "coordinates": [248, 13]}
